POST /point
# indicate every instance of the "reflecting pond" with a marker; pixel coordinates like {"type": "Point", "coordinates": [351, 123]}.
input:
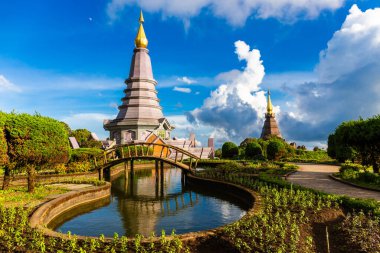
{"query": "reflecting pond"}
{"type": "Point", "coordinates": [147, 201]}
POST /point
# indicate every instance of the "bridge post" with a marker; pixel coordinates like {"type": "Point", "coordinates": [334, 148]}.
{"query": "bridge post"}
{"type": "Point", "coordinates": [156, 165]}
{"type": "Point", "coordinates": [132, 165]}
{"type": "Point", "coordinates": [162, 178]}
{"type": "Point", "coordinates": [183, 178]}
{"type": "Point", "coordinates": [100, 174]}
{"type": "Point", "coordinates": [126, 169]}
{"type": "Point", "coordinates": [157, 185]}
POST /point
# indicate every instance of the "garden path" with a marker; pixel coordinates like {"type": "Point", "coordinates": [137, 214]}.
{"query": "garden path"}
{"type": "Point", "coordinates": [316, 176]}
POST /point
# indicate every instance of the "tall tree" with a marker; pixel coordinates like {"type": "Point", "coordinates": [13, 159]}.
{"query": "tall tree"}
{"type": "Point", "coordinates": [357, 140]}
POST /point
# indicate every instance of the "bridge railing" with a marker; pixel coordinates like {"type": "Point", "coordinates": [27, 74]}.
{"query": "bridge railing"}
{"type": "Point", "coordinates": [170, 153]}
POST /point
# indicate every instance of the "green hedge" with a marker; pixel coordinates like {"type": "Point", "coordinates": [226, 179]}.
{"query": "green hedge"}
{"type": "Point", "coordinates": [352, 166]}
{"type": "Point", "coordinates": [85, 154]}
{"type": "Point", "coordinates": [3, 142]}
{"type": "Point", "coordinates": [83, 136]}
{"type": "Point", "coordinates": [275, 149]}
{"type": "Point", "coordinates": [253, 149]}
{"type": "Point", "coordinates": [34, 139]}
{"type": "Point", "coordinates": [230, 150]}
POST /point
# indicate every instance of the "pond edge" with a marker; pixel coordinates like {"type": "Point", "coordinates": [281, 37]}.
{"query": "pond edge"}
{"type": "Point", "coordinates": [49, 210]}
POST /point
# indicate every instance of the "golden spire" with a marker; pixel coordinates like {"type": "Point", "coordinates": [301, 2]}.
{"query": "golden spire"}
{"type": "Point", "coordinates": [141, 40]}
{"type": "Point", "coordinates": [269, 105]}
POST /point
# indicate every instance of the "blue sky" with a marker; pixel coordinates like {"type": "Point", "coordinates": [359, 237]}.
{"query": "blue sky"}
{"type": "Point", "coordinates": [68, 60]}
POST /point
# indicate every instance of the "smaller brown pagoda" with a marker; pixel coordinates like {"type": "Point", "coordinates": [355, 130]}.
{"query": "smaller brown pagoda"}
{"type": "Point", "coordinates": [270, 127]}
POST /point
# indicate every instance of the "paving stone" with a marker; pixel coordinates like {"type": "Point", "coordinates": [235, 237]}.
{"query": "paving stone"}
{"type": "Point", "coordinates": [316, 176]}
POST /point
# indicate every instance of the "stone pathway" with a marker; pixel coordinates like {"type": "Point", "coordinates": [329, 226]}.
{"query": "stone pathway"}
{"type": "Point", "coordinates": [71, 187]}
{"type": "Point", "coordinates": [316, 176]}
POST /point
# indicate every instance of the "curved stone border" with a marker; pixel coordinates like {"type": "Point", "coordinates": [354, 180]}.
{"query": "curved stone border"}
{"type": "Point", "coordinates": [44, 214]}
{"type": "Point", "coordinates": [352, 184]}
{"type": "Point", "coordinates": [52, 209]}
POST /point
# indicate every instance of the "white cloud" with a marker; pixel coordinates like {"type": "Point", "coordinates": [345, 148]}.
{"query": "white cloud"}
{"type": "Point", "coordinates": [235, 12]}
{"type": "Point", "coordinates": [355, 45]}
{"type": "Point", "coordinates": [6, 85]}
{"type": "Point", "coordinates": [228, 76]}
{"type": "Point", "coordinates": [181, 89]}
{"type": "Point", "coordinates": [236, 108]}
{"type": "Point", "coordinates": [186, 80]}
{"type": "Point", "coordinates": [349, 81]}
{"type": "Point", "coordinates": [91, 121]}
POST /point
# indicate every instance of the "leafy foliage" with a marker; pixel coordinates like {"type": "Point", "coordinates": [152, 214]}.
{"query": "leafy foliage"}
{"type": "Point", "coordinates": [230, 150]}
{"type": "Point", "coordinates": [275, 149]}
{"type": "Point", "coordinates": [352, 166]}
{"type": "Point", "coordinates": [3, 142]}
{"type": "Point", "coordinates": [34, 140]}
{"type": "Point", "coordinates": [84, 139]}
{"type": "Point", "coordinates": [357, 140]}
{"type": "Point", "coordinates": [253, 149]}
{"type": "Point", "coordinates": [363, 231]}
{"type": "Point", "coordinates": [84, 154]}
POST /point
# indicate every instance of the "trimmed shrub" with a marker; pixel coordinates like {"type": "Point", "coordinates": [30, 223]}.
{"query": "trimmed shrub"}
{"type": "Point", "coordinates": [230, 150]}
{"type": "Point", "coordinates": [3, 141]}
{"type": "Point", "coordinates": [84, 139]}
{"type": "Point", "coordinates": [352, 166]}
{"type": "Point", "coordinates": [253, 149]}
{"type": "Point", "coordinates": [34, 140]}
{"type": "Point", "coordinates": [75, 167]}
{"type": "Point", "coordinates": [84, 154]}
{"type": "Point", "coordinates": [244, 143]}
{"type": "Point", "coordinates": [218, 153]}
{"type": "Point", "coordinates": [60, 168]}
{"type": "Point", "coordinates": [275, 149]}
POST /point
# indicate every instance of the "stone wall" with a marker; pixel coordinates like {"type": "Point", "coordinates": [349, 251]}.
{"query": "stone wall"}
{"type": "Point", "coordinates": [50, 210]}
{"type": "Point", "coordinates": [44, 214]}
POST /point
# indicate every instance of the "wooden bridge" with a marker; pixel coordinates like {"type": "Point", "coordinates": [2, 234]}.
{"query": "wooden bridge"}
{"type": "Point", "coordinates": [163, 153]}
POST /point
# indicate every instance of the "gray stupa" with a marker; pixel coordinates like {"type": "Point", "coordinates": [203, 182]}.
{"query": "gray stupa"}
{"type": "Point", "coordinates": [140, 114]}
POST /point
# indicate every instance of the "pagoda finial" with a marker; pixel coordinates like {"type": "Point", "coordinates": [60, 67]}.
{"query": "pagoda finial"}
{"type": "Point", "coordinates": [269, 104]}
{"type": "Point", "coordinates": [141, 40]}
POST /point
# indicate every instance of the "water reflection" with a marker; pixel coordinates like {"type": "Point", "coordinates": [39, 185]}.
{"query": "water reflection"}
{"type": "Point", "coordinates": [150, 200]}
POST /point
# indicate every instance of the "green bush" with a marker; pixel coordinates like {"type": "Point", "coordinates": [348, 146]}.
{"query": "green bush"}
{"type": "Point", "coordinates": [84, 139]}
{"type": "Point", "coordinates": [218, 153]}
{"type": "Point", "coordinates": [60, 168]}
{"type": "Point", "coordinates": [34, 140]}
{"type": "Point", "coordinates": [275, 149]}
{"type": "Point", "coordinates": [75, 167]}
{"type": "Point", "coordinates": [352, 166]}
{"type": "Point", "coordinates": [3, 142]}
{"type": "Point", "coordinates": [349, 174]}
{"type": "Point", "coordinates": [85, 154]}
{"type": "Point", "coordinates": [228, 167]}
{"type": "Point", "coordinates": [230, 150]}
{"type": "Point", "coordinates": [244, 143]}
{"type": "Point", "coordinates": [253, 149]}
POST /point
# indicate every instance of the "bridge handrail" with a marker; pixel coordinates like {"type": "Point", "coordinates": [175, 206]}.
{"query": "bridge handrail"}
{"type": "Point", "coordinates": [144, 153]}
{"type": "Point", "coordinates": [145, 144]}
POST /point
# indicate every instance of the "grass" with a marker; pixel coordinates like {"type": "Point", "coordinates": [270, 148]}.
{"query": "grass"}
{"type": "Point", "coordinates": [285, 223]}
{"type": "Point", "coordinates": [361, 179]}
{"type": "Point", "coordinates": [18, 196]}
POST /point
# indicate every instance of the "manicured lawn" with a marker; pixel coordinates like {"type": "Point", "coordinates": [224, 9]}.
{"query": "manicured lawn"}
{"type": "Point", "coordinates": [18, 196]}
